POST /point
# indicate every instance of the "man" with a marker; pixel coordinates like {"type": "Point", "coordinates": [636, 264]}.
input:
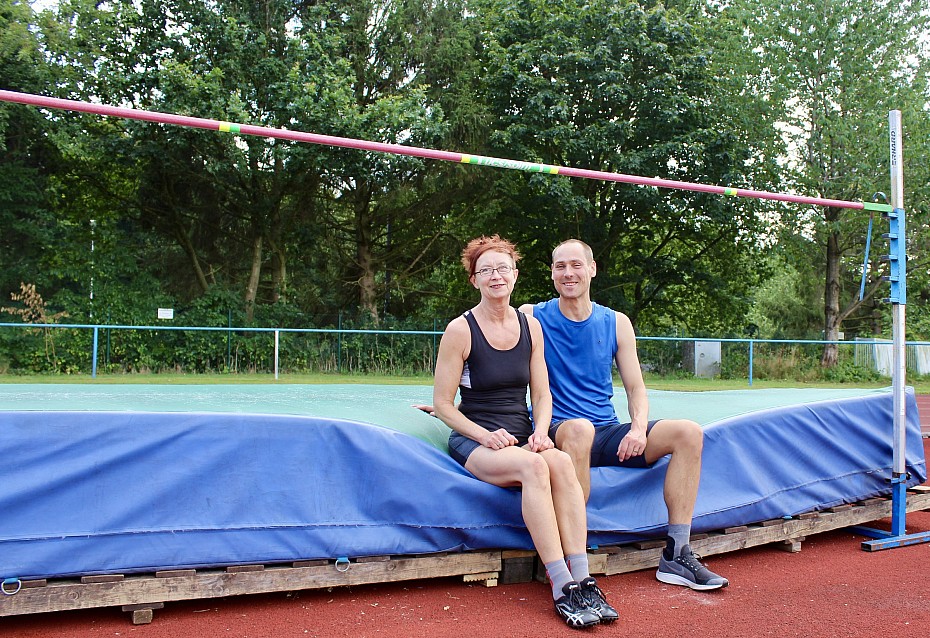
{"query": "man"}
{"type": "Point", "coordinates": [583, 340]}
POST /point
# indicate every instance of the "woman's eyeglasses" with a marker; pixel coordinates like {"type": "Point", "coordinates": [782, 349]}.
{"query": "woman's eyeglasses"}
{"type": "Point", "coordinates": [486, 272]}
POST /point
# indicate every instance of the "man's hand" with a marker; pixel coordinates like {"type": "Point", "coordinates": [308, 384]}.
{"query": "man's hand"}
{"type": "Point", "coordinates": [633, 444]}
{"type": "Point", "coordinates": [425, 408]}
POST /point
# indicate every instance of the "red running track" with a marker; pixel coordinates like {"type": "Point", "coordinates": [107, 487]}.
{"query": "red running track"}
{"type": "Point", "coordinates": [923, 408]}
{"type": "Point", "coordinates": [831, 589]}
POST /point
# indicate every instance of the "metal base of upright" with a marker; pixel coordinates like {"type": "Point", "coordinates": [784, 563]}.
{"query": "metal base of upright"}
{"type": "Point", "coordinates": [898, 536]}
{"type": "Point", "coordinates": [887, 540]}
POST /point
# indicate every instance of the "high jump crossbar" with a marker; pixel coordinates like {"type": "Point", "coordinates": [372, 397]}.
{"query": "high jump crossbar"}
{"type": "Point", "coordinates": [400, 149]}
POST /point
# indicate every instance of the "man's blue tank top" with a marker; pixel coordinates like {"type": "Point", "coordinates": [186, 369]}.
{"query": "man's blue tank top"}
{"type": "Point", "coordinates": [580, 360]}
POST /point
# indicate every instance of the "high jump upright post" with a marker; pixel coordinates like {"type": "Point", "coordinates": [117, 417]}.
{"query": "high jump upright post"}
{"type": "Point", "coordinates": [897, 259]}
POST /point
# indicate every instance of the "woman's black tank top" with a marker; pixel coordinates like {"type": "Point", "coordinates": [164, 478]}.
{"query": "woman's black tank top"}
{"type": "Point", "coordinates": [494, 382]}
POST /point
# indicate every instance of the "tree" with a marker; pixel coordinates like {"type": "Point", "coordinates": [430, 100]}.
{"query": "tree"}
{"type": "Point", "coordinates": [27, 157]}
{"type": "Point", "coordinates": [237, 208]}
{"type": "Point", "coordinates": [407, 62]}
{"type": "Point", "coordinates": [623, 87]}
{"type": "Point", "coordinates": [833, 69]}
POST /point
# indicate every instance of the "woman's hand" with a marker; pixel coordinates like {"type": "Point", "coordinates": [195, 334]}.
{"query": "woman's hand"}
{"type": "Point", "coordinates": [498, 440]}
{"type": "Point", "coordinates": [540, 442]}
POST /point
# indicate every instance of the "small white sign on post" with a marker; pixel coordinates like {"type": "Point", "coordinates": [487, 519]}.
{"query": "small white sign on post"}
{"type": "Point", "coordinates": [166, 313]}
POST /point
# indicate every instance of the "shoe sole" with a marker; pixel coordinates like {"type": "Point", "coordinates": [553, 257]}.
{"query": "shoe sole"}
{"type": "Point", "coordinates": [590, 624]}
{"type": "Point", "coordinates": [572, 625]}
{"type": "Point", "coordinates": [675, 579]}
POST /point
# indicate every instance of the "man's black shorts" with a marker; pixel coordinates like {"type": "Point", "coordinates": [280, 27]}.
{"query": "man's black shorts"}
{"type": "Point", "coordinates": [606, 443]}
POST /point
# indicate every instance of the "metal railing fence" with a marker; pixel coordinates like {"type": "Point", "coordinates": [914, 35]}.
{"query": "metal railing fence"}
{"type": "Point", "coordinates": [82, 348]}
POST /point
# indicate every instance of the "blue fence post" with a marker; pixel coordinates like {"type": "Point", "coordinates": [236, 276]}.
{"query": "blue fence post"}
{"type": "Point", "coordinates": [93, 365]}
{"type": "Point", "coordinates": [228, 339]}
{"type": "Point", "coordinates": [106, 350]}
{"type": "Point", "coordinates": [750, 362]}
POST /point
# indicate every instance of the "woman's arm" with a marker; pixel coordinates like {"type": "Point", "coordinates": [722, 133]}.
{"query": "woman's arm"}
{"type": "Point", "coordinates": [539, 390]}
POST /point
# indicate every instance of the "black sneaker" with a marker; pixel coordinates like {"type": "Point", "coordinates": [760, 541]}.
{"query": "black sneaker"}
{"type": "Point", "coordinates": [597, 601]}
{"type": "Point", "coordinates": [573, 608]}
{"type": "Point", "coordinates": [685, 569]}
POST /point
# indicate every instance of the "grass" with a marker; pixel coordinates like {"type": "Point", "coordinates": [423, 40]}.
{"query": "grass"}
{"type": "Point", "coordinates": [654, 382]}
{"type": "Point", "coordinates": [174, 378]}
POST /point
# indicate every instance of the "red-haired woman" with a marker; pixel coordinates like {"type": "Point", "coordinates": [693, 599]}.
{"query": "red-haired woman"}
{"type": "Point", "coordinates": [490, 355]}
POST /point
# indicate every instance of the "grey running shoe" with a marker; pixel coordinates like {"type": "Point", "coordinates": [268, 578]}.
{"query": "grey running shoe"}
{"type": "Point", "coordinates": [685, 569]}
{"type": "Point", "coordinates": [573, 608]}
{"type": "Point", "coordinates": [597, 602]}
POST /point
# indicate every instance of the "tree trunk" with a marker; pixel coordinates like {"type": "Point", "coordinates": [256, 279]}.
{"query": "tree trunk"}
{"type": "Point", "coordinates": [188, 247]}
{"type": "Point", "coordinates": [251, 291]}
{"type": "Point", "coordinates": [365, 255]}
{"type": "Point", "coordinates": [831, 297]}
{"type": "Point", "coordinates": [278, 272]}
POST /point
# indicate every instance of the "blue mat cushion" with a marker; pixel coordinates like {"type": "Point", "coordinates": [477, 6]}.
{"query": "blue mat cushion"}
{"type": "Point", "coordinates": [118, 492]}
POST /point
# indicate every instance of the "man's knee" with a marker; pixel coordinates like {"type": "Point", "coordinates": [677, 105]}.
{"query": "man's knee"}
{"type": "Point", "coordinates": [679, 435]}
{"type": "Point", "coordinates": [574, 434]}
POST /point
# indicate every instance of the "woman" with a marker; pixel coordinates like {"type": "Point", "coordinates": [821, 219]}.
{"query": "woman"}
{"type": "Point", "coordinates": [491, 354]}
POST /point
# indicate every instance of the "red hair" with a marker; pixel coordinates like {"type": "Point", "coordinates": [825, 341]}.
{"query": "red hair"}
{"type": "Point", "coordinates": [480, 245]}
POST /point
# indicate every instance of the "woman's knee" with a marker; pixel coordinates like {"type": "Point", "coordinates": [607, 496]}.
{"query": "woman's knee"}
{"type": "Point", "coordinates": [534, 470]}
{"type": "Point", "coordinates": [560, 464]}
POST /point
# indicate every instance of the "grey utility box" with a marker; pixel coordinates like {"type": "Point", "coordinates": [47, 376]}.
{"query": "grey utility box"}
{"type": "Point", "coordinates": [702, 358]}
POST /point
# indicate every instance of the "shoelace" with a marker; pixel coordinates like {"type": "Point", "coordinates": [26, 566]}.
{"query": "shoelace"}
{"type": "Point", "coordinates": [690, 560]}
{"type": "Point", "coordinates": [577, 598]}
{"type": "Point", "coordinates": [593, 594]}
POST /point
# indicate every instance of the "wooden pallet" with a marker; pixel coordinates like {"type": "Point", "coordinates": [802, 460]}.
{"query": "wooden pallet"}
{"type": "Point", "coordinates": [141, 594]}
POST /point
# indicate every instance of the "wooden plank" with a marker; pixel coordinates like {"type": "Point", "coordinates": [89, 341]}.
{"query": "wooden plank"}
{"type": "Point", "coordinates": [143, 606]}
{"type": "Point", "coordinates": [488, 579]}
{"type": "Point", "coordinates": [139, 590]}
{"type": "Point", "coordinates": [839, 508]}
{"type": "Point", "coordinates": [791, 545]}
{"type": "Point", "coordinates": [517, 566]}
{"type": "Point", "coordinates": [175, 573]}
{"type": "Point", "coordinates": [39, 582]}
{"type": "Point", "coordinates": [597, 563]}
{"type": "Point", "coordinates": [102, 578]}
{"type": "Point", "coordinates": [735, 530]}
{"type": "Point", "coordinates": [142, 616]}
{"type": "Point", "coordinates": [238, 569]}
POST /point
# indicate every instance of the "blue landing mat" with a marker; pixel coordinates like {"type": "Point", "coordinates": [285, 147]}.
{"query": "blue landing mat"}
{"type": "Point", "coordinates": [90, 491]}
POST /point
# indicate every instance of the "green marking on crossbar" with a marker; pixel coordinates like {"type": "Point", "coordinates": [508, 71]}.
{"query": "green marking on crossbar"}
{"type": "Point", "coordinates": [879, 208]}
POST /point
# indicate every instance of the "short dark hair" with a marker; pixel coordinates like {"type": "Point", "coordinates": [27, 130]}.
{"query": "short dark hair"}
{"type": "Point", "coordinates": [480, 245]}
